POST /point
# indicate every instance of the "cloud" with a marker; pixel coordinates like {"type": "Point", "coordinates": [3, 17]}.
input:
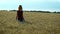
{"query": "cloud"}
{"type": "Point", "coordinates": [25, 1]}
{"type": "Point", "coordinates": [29, 1]}
{"type": "Point", "coordinates": [8, 1]}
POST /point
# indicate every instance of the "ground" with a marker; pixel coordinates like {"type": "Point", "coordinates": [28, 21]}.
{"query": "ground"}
{"type": "Point", "coordinates": [35, 23]}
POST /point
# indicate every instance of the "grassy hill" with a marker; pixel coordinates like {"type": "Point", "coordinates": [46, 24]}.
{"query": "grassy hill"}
{"type": "Point", "coordinates": [35, 23]}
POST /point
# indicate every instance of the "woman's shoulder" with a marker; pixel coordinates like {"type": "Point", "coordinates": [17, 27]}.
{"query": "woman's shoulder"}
{"type": "Point", "coordinates": [17, 11]}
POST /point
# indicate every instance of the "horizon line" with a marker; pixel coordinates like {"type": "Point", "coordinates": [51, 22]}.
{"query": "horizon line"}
{"type": "Point", "coordinates": [33, 10]}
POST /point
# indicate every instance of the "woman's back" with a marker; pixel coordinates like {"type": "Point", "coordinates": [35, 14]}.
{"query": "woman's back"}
{"type": "Point", "coordinates": [19, 14]}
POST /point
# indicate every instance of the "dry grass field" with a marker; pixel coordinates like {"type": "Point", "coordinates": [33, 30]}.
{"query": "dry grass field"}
{"type": "Point", "coordinates": [35, 23]}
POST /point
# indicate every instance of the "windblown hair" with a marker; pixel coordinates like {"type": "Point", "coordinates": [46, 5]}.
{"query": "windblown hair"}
{"type": "Point", "coordinates": [20, 8]}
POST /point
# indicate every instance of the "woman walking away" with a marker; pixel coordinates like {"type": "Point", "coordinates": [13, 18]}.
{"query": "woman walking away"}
{"type": "Point", "coordinates": [20, 14]}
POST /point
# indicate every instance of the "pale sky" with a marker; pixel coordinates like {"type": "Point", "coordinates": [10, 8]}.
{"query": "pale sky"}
{"type": "Point", "coordinates": [30, 4]}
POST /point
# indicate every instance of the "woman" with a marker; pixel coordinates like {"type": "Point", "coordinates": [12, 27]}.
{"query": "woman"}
{"type": "Point", "coordinates": [20, 14]}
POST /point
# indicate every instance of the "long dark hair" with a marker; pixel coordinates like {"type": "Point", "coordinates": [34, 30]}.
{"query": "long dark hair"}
{"type": "Point", "coordinates": [20, 8]}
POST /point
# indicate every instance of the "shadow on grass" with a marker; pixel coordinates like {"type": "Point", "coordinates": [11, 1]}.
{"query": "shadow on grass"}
{"type": "Point", "coordinates": [25, 22]}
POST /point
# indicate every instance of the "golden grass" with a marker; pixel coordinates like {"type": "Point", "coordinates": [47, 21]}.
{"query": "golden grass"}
{"type": "Point", "coordinates": [35, 23]}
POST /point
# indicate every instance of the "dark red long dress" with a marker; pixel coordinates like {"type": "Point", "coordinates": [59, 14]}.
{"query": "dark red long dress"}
{"type": "Point", "coordinates": [20, 15]}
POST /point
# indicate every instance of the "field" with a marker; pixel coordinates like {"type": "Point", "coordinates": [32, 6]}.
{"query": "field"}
{"type": "Point", "coordinates": [35, 23]}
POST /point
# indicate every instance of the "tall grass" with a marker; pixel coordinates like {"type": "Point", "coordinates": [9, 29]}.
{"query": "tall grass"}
{"type": "Point", "coordinates": [35, 23]}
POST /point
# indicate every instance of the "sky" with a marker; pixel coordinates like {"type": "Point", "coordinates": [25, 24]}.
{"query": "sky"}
{"type": "Point", "coordinates": [44, 5]}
